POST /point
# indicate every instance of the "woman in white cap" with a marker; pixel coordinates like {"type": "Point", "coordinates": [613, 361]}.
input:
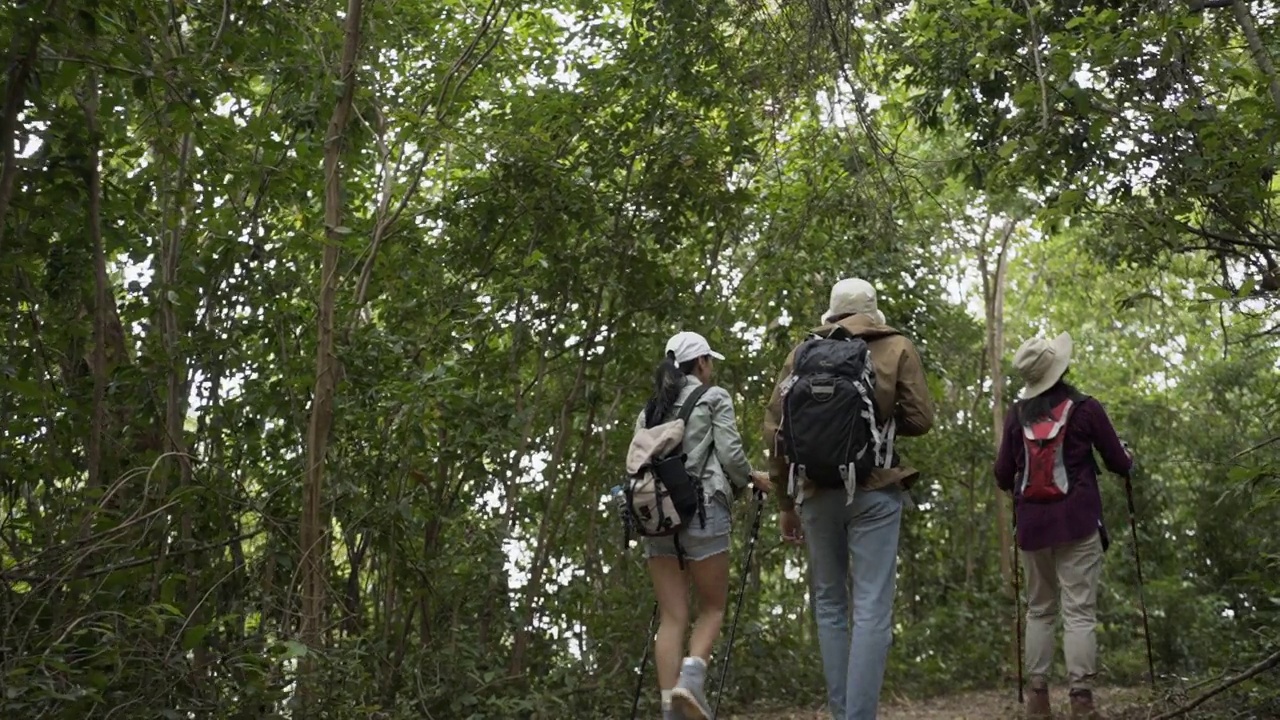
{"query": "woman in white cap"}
{"type": "Point", "coordinates": [714, 451]}
{"type": "Point", "coordinates": [1046, 461]}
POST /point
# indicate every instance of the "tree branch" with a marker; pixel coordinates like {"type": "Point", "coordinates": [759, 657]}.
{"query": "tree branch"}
{"type": "Point", "coordinates": [1271, 661]}
{"type": "Point", "coordinates": [1260, 54]}
{"type": "Point", "coordinates": [130, 564]}
{"type": "Point", "coordinates": [1035, 54]}
{"type": "Point", "coordinates": [1226, 239]}
{"type": "Point", "coordinates": [1196, 6]}
{"type": "Point", "coordinates": [1255, 448]}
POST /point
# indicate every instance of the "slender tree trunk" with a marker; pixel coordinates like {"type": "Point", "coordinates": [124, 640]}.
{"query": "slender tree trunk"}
{"type": "Point", "coordinates": [593, 561]}
{"type": "Point", "coordinates": [175, 404]}
{"type": "Point", "coordinates": [321, 420]}
{"type": "Point", "coordinates": [993, 281]}
{"type": "Point", "coordinates": [357, 544]}
{"type": "Point", "coordinates": [971, 533]}
{"type": "Point", "coordinates": [1260, 55]}
{"type": "Point", "coordinates": [994, 285]}
{"type": "Point", "coordinates": [552, 475]}
{"type": "Point", "coordinates": [1003, 510]}
{"type": "Point", "coordinates": [974, 531]}
{"type": "Point", "coordinates": [102, 295]}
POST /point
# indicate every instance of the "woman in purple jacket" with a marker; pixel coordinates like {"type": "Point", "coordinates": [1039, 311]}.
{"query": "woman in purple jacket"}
{"type": "Point", "coordinates": [1046, 461]}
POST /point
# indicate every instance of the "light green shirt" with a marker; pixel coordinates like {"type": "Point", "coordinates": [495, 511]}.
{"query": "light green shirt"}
{"type": "Point", "coordinates": [712, 445]}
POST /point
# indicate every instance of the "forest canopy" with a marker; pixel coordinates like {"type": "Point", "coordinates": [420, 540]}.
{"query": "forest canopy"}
{"type": "Point", "coordinates": [327, 324]}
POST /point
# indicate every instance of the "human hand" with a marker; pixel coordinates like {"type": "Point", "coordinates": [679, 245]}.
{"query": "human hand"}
{"type": "Point", "coordinates": [789, 523]}
{"type": "Point", "coordinates": [760, 481]}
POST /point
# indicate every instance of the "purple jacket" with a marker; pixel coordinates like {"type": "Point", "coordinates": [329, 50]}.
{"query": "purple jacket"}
{"type": "Point", "coordinates": [1079, 515]}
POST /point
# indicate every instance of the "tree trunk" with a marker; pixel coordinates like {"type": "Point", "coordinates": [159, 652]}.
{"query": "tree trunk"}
{"type": "Point", "coordinates": [102, 295]}
{"type": "Point", "coordinates": [993, 281]}
{"type": "Point", "coordinates": [1259, 50]}
{"type": "Point", "coordinates": [176, 374]}
{"type": "Point", "coordinates": [321, 419]}
{"type": "Point", "coordinates": [552, 475]}
{"type": "Point", "coordinates": [971, 533]}
{"type": "Point", "coordinates": [973, 527]}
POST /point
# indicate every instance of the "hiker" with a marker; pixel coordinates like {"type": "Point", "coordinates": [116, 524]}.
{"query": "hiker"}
{"type": "Point", "coordinates": [841, 399]}
{"type": "Point", "coordinates": [714, 455]}
{"type": "Point", "coordinates": [1046, 461]}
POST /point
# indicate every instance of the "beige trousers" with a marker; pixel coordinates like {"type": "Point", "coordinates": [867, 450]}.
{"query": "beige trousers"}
{"type": "Point", "coordinates": [1068, 573]}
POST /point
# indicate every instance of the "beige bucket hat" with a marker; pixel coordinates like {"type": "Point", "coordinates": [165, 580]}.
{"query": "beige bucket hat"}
{"type": "Point", "coordinates": [1040, 363]}
{"type": "Point", "coordinates": [853, 296]}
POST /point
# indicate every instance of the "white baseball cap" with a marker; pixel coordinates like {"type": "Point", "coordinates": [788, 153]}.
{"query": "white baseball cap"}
{"type": "Point", "coordinates": [690, 346]}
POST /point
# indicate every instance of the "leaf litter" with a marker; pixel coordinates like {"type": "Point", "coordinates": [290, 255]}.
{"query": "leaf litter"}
{"type": "Point", "coordinates": [1115, 704]}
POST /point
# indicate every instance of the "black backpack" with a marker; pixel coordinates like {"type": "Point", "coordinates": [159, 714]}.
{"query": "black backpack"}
{"type": "Point", "coordinates": [829, 424]}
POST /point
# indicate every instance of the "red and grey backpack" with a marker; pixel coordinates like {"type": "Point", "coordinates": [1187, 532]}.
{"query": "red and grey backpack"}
{"type": "Point", "coordinates": [1044, 472]}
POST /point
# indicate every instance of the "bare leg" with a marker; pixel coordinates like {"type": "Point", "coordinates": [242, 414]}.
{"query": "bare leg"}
{"type": "Point", "coordinates": [673, 618]}
{"type": "Point", "coordinates": [711, 583]}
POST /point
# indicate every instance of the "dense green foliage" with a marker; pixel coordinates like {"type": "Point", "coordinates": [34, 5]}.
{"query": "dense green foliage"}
{"type": "Point", "coordinates": [477, 224]}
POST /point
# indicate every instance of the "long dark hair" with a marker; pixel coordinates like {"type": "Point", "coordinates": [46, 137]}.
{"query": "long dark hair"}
{"type": "Point", "coordinates": [1033, 409]}
{"type": "Point", "coordinates": [668, 379]}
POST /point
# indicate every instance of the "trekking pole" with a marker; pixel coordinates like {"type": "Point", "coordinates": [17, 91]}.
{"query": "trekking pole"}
{"type": "Point", "coordinates": [742, 591]}
{"type": "Point", "coordinates": [644, 661]}
{"type": "Point", "coordinates": [1017, 609]}
{"type": "Point", "coordinates": [1142, 600]}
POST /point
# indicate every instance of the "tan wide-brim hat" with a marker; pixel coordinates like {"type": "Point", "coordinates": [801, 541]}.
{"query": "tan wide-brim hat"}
{"type": "Point", "coordinates": [1041, 363]}
{"type": "Point", "coordinates": [853, 296]}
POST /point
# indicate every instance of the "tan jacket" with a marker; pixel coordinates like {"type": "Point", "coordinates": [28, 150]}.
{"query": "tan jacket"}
{"type": "Point", "coordinates": [901, 393]}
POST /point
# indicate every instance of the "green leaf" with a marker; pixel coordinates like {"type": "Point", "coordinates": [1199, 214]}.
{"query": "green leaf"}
{"type": "Point", "coordinates": [294, 649]}
{"type": "Point", "coordinates": [194, 636]}
{"type": "Point", "coordinates": [1071, 199]}
{"type": "Point", "coordinates": [1240, 474]}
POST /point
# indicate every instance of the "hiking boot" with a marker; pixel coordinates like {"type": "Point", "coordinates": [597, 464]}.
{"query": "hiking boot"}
{"type": "Point", "coordinates": [687, 698]}
{"type": "Point", "coordinates": [1082, 706]}
{"type": "Point", "coordinates": [1038, 706]}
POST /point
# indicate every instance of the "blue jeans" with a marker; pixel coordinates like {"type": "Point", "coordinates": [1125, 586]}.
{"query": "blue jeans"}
{"type": "Point", "coordinates": [865, 532]}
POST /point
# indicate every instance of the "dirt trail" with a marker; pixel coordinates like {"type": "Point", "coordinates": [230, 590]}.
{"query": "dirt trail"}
{"type": "Point", "coordinates": [1118, 703]}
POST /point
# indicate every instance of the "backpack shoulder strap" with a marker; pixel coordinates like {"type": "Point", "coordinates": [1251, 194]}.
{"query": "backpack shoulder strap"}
{"type": "Point", "coordinates": [687, 409]}
{"type": "Point", "coordinates": [1077, 399]}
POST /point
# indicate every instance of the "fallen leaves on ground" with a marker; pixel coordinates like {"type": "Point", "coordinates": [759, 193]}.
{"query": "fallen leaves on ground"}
{"type": "Point", "coordinates": [1117, 703]}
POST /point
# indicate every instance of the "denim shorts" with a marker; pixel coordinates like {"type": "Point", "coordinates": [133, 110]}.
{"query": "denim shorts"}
{"type": "Point", "coordinates": [698, 543]}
